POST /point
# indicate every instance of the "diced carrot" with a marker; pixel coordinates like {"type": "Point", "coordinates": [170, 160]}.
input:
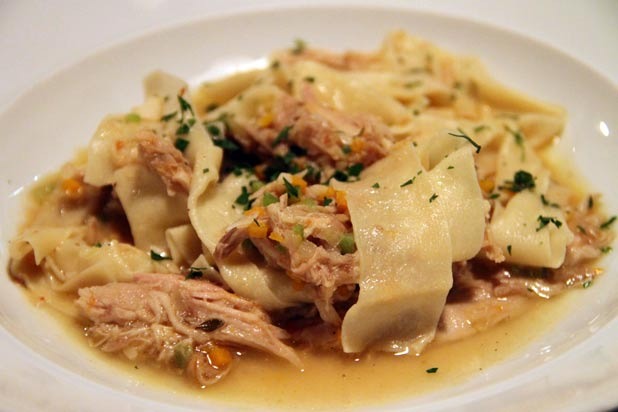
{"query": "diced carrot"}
{"type": "Point", "coordinates": [219, 357]}
{"type": "Point", "coordinates": [72, 188]}
{"type": "Point", "coordinates": [300, 182]}
{"type": "Point", "coordinates": [357, 145]}
{"type": "Point", "coordinates": [276, 236]}
{"type": "Point", "coordinates": [342, 203]}
{"type": "Point", "coordinates": [266, 120]}
{"type": "Point", "coordinates": [329, 192]}
{"type": "Point", "coordinates": [258, 231]}
{"type": "Point", "coordinates": [259, 211]}
{"type": "Point", "coordinates": [487, 185]}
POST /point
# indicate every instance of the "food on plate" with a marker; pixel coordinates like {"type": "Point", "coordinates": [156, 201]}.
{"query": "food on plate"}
{"type": "Point", "coordinates": [343, 202]}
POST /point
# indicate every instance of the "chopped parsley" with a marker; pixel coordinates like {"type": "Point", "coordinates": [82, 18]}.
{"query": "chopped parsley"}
{"type": "Point", "coordinates": [158, 256]}
{"type": "Point", "coordinates": [355, 169]}
{"type": "Point", "coordinates": [194, 273]}
{"type": "Point", "coordinates": [606, 249]}
{"type": "Point", "coordinates": [587, 284]}
{"type": "Point", "coordinates": [309, 79]}
{"type": "Point", "coordinates": [346, 149]}
{"type": "Point", "coordinates": [376, 185]}
{"type": "Point", "coordinates": [463, 135]}
{"type": "Point", "coordinates": [408, 182]}
{"type": "Point", "coordinates": [169, 116]}
{"type": "Point", "coordinates": [590, 202]}
{"type": "Point", "coordinates": [225, 144]}
{"type": "Point", "coordinates": [340, 176]}
{"type": "Point", "coordinates": [243, 198]}
{"type": "Point", "coordinates": [283, 135]}
{"type": "Point", "coordinates": [548, 203]}
{"type": "Point", "coordinates": [327, 201]}
{"type": "Point", "coordinates": [205, 170]}
{"type": "Point", "coordinates": [480, 128]}
{"type": "Point", "coordinates": [98, 244]}
{"type": "Point", "coordinates": [181, 144]}
{"type": "Point", "coordinates": [184, 105]}
{"type": "Point", "coordinates": [213, 129]}
{"type": "Point", "coordinates": [269, 199]}
{"type": "Point", "coordinates": [450, 167]}
{"type": "Point", "coordinates": [545, 220]}
{"type": "Point", "coordinates": [494, 195]}
{"type": "Point", "coordinates": [432, 370]}
{"type": "Point", "coordinates": [183, 129]}
{"type": "Point", "coordinates": [522, 180]}
{"type": "Point", "coordinates": [210, 325]}
{"type": "Point", "coordinates": [606, 225]}
{"type": "Point", "coordinates": [211, 107]}
{"type": "Point", "coordinates": [433, 197]}
{"type": "Point", "coordinates": [509, 248]}
{"type": "Point", "coordinates": [290, 188]}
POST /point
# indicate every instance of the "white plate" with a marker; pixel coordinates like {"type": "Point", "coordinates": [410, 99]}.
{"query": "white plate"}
{"type": "Point", "coordinates": [573, 366]}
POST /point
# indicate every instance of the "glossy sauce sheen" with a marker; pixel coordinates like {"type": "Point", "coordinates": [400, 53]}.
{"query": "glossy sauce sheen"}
{"type": "Point", "coordinates": [334, 381]}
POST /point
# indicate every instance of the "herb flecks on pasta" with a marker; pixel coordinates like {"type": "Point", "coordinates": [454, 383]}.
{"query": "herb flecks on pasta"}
{"type": "Point", "coordinates": [353, 202]}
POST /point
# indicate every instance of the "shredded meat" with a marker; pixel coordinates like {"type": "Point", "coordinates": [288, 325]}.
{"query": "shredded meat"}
{"type": "Point", "coordinates": [303, 241]}
{"type": "Point", "coordinates": [331, 138]}
{"type": "Point", "coordinates": [163, 158]}
{"type": "Point", "coordinates": [157, 311]}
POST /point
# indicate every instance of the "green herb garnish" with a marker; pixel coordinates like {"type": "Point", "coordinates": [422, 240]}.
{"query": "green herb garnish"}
{"type": "Point", "coordinates": [194, 273]}
{"type": "Point", "coordinates": [521, 180]}
{"type": "Point", "coordinates": [283, 135]}
{"type": "Point", "coordinates": [290, 188]}
{"type": "Point", "coordinates": [545, 220]}
{"type": "Point", "coordinates": [158, 256]}
{"type": "Point", "coordinates": [408, 182]}
{"type": "Point", "coordinates": [210, 325]}
{"type": "Point", "coordinates": [463, 135]}
{"type": "Point", "coordinates": [548, 203]}
{"type": "Point", "coordinates": [243, 198]}
{"type": "Point", "coordinates": [608, 223]}
{"type": "Point", "coordinates": [432, 370]}
{"type": "Point", "coordinates": [169, 116]}
{"type": "Point", "coordinates": [355, 169]}
{"type": "Point", "coordinates": [433, 197]}
{"type": "Point", "coordinates": [181, 144]}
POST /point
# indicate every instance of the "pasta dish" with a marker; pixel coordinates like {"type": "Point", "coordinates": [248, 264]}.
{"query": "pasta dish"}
{"type": "Point", "coordinates": [344, 202]}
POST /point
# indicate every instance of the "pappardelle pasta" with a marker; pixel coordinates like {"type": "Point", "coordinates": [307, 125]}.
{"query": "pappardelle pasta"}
{"type": "Point", "coordinates": [348, 202]}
